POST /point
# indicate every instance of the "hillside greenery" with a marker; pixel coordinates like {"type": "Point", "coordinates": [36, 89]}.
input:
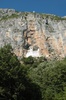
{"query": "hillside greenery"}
{"type": "Point", "coordinates": [9, 17]}
{"type": "Point", "coordinates": [15, 84]}
{"type": "Point", "coordinates": [52, 17]}
{"type": "Point", "coordinates": [32, 79]}
{"type": "Point", "coordinates": [25, 14]}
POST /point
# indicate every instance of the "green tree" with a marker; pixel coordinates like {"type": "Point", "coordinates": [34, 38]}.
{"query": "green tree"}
{"type": "Point", "coordinates": [14, 81]}
{"type": "Point", "coordinates": [28, 60]}
{"type": "Point", "coordinates": [51, 77]}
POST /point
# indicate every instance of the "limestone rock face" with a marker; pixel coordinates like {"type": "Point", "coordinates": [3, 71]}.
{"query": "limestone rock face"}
{"type": "Point", "coordinates": [33, 34]}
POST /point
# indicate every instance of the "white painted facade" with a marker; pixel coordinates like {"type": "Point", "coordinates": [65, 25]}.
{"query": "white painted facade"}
{"type": "Point", "coordinates": [33, 53]}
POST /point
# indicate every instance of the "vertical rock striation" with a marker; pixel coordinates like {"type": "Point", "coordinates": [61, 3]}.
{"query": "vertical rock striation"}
{"type": "Point", "coordinates": [33, 34]}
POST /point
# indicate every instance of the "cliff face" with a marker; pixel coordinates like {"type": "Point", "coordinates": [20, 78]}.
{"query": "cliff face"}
{"type": "Point", "coordinates": [33, 34]}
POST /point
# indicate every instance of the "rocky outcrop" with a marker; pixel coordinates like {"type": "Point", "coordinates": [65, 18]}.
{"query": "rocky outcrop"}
{"type": "Point", "coordinates": [33, 34]}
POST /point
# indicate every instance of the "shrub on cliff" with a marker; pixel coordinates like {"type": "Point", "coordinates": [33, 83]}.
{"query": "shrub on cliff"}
{"type": "Point", "coordinates": [28, 60]}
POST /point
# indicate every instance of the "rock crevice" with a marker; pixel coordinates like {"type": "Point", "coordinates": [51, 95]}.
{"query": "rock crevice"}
{"type": "Point", "coordinates": [33, 34]}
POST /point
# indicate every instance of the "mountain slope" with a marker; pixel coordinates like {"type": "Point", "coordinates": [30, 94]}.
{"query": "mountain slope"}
{"type": "Point", "coordinates": [33, 34]}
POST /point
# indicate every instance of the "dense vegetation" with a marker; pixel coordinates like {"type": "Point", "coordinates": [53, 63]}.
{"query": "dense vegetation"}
{"type": "Point", "coordinates": [50, 76]}
{"type": "Point", "coordinates": [32, 79]}
{"type": "Point", "coordinates": [15, 83]}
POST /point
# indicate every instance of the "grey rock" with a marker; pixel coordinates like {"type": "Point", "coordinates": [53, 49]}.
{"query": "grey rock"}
{"type": "Point", "coordinates": [49, 36]}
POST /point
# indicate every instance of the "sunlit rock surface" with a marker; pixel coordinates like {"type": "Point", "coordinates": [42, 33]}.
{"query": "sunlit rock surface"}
{"type": "Point", "coordinates": [33, 34]}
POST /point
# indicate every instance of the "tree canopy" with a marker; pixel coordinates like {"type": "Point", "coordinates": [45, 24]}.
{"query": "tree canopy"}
{"type": "Point", "coordinates": [15, 83]}
{"type": "Point", "coordinates": [34, 79]}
